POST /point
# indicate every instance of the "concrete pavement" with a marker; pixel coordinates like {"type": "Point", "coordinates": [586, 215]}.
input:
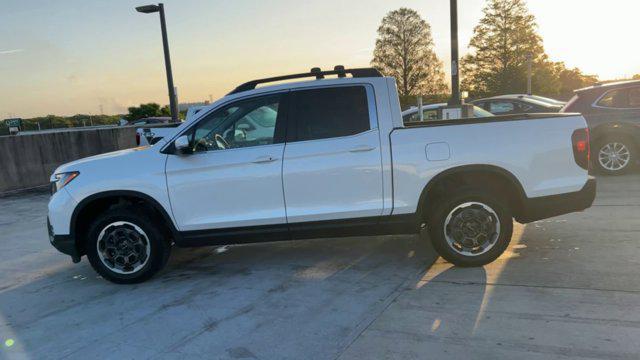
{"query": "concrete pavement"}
{"type": "Point", "coordinates": [568, 287]}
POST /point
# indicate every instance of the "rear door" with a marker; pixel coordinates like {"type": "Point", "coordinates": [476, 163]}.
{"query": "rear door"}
{"type": "Point", "coordinates": [332, 162]}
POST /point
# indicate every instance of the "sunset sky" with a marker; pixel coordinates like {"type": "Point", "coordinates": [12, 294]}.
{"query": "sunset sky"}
{"type": "Point", "coordinates": [72, 56]}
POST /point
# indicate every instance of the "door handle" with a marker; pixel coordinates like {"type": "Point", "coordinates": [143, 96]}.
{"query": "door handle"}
{"type": "Point", "coordinates": [362, 148]}
{"type": "Point", "coordinates": [264, 160]}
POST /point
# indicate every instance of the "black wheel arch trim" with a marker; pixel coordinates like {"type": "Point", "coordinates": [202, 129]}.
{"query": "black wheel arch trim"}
{"type": "Point", "coordinates": [528, 209]}
{"type": "Point", "coordinates": [121, 193]}
{"type": "Point", "coordinates": [477, 168]}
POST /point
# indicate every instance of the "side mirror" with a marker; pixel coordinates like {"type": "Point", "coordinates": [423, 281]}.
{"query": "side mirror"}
{"type": "Point", "coordinates": [182, 145]}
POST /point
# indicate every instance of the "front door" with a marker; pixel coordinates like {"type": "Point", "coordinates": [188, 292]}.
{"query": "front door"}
{"type": "Point", "coordinates": [234, 176]}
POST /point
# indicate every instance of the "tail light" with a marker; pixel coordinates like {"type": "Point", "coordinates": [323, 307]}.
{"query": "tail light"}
{"type": "Point", "coordinates": [137, 138]}
{"type": "Point", "coordinates": [581, 147]}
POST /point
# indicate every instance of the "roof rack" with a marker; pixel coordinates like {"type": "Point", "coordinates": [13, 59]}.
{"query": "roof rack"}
{"type": "Point", "coordinates": [315, 72]}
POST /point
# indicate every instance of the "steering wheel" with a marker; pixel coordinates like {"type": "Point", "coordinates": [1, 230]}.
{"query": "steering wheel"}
{"type": "Point", "coordinates": [203, 144]}
{"type": "Point", "coordinates": [221, 142]}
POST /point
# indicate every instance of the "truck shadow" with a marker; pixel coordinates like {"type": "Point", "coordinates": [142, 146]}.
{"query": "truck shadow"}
{"type": "Point", "coordinates": [529, 301]}
{"type": "Point", "coordinates": [446, 311]}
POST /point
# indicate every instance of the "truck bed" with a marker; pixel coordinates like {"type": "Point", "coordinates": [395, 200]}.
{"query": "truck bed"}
{"type": "Point", "coordinates": [535, 149]}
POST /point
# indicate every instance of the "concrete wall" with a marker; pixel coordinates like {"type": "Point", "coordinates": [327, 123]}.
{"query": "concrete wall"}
{"type": "Point", "coordinates": [27, 161]}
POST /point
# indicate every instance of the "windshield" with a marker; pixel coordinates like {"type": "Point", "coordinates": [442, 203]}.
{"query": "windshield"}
{"type": "Point", "coordinates": [480, 112]}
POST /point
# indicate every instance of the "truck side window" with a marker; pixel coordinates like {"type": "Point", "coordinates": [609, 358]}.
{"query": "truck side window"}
{"type": "Point", "coordinates": [328, 112]}
{"type": "Point", "coordinates": [241, 124]}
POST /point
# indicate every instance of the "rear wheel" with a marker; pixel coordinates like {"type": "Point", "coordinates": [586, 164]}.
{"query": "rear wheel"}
{"type": "Point", "coordinates": [126, 246]}
{"type": "Point", "coordinates": [471, 227]}
{"type": "Point", "coordinates": [614, 156]}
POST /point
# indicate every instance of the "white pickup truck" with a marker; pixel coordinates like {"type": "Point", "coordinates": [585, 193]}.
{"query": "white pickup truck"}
{"type": "Point", "coordinates": [319, 158]}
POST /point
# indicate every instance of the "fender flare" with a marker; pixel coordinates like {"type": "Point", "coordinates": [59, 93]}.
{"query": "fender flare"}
{"type": "Point", "coordinates": [477, 168]}
{"type": "Point", "coordinates": [122, 193]}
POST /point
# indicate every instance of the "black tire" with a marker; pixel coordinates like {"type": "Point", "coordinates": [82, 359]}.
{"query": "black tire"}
{"type": "Point", "coordinates": [128, 219]}
{"type": "Point", "coordinates": [605, 168]}
{"type": "Point", "coordinates": [446, 205]}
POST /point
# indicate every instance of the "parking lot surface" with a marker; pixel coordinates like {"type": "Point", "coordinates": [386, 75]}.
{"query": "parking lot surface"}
{"type": "Point", "coordinates": [568, 287]}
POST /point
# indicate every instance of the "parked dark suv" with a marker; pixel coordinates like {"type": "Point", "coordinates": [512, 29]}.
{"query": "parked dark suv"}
{"type": "Point", "coordinates": [613, 114]}
{"type": "Point", "coordinates": [518, 104]}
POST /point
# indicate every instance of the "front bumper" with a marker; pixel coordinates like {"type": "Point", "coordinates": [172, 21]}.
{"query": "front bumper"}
{"type": "Point", "coordinates": [63, 243]}
{"type": "Point", "coordinates": [534, 209]}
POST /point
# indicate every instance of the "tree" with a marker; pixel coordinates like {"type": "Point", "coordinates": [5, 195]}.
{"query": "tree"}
{"type": "Point", "coordinates": [147, 110]}
{"type": "Point", "coordinates": [501, 44]}
{"type": "Point", "coordinates": [572, 79]}
{"type": "Point", "coordinates": [404, 50]}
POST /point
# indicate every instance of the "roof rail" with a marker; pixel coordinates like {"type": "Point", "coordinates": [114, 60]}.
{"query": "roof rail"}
{"type": "Point", "coordinates": [315, 72]}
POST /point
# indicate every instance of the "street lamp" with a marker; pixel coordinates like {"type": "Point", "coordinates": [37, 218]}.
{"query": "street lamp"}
{"type": "Point", "coordinates": [148, 9]}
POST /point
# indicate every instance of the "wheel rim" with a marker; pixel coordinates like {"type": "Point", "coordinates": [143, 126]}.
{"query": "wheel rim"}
{"type": "Point", "coordinates": [472, 229]}
{"type": "Point", "coordinates": [123, 247]}
{"type": "Point", "coordinates": [614, 156]}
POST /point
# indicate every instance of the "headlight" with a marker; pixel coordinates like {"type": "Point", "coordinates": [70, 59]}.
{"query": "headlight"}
{"type": "Point", "coordinates": [62, 180]}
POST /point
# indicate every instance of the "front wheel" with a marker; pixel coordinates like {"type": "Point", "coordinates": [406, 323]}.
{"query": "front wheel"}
{"type": "Point", "coordinates": [471, 227]}
{"type": "Point", "coordinates": [614, 156]}
{"type": "Point", "coordinates": [126, 246]}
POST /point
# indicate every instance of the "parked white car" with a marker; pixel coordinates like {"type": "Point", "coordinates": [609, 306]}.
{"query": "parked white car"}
{"type": "Point", "coordinates": [313, 159]}
{"type": "Point", "coordinates": [150, 133]}
{"type": "Point", "coordinates": [433, 112]}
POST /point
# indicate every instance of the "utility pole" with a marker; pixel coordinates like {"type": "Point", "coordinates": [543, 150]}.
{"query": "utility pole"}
{"type": "Point", "coordinates": [175, 91]}
{"type": "Point", "coordinates": [455, 109]}
{"type": "Point", "coordinates": [455, 75]}
{"type": "Point", "coordinates": [529, 72]}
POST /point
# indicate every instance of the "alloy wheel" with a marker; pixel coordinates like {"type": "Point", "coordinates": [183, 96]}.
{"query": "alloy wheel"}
{"type": "Point", "coordinates": [472, 228]}
{"type": "Point", "coordinates": [123, 247]}
{"type": "Point", "coordinates": [614, 156]}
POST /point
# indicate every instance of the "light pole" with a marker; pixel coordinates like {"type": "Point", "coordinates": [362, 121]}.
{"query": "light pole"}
{"type": "Point", "coordinates": [148, 9]}
{"type": "Point", "coordinates": [529, 72]}
{"type": "Point", "coordinates": [455, 75]}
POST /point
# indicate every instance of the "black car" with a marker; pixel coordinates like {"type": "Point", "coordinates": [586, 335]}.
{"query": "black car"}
{"type": "Point", "coordinates": [613, 113]}
{"type": "Point", "coordinates": [518, 104]}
